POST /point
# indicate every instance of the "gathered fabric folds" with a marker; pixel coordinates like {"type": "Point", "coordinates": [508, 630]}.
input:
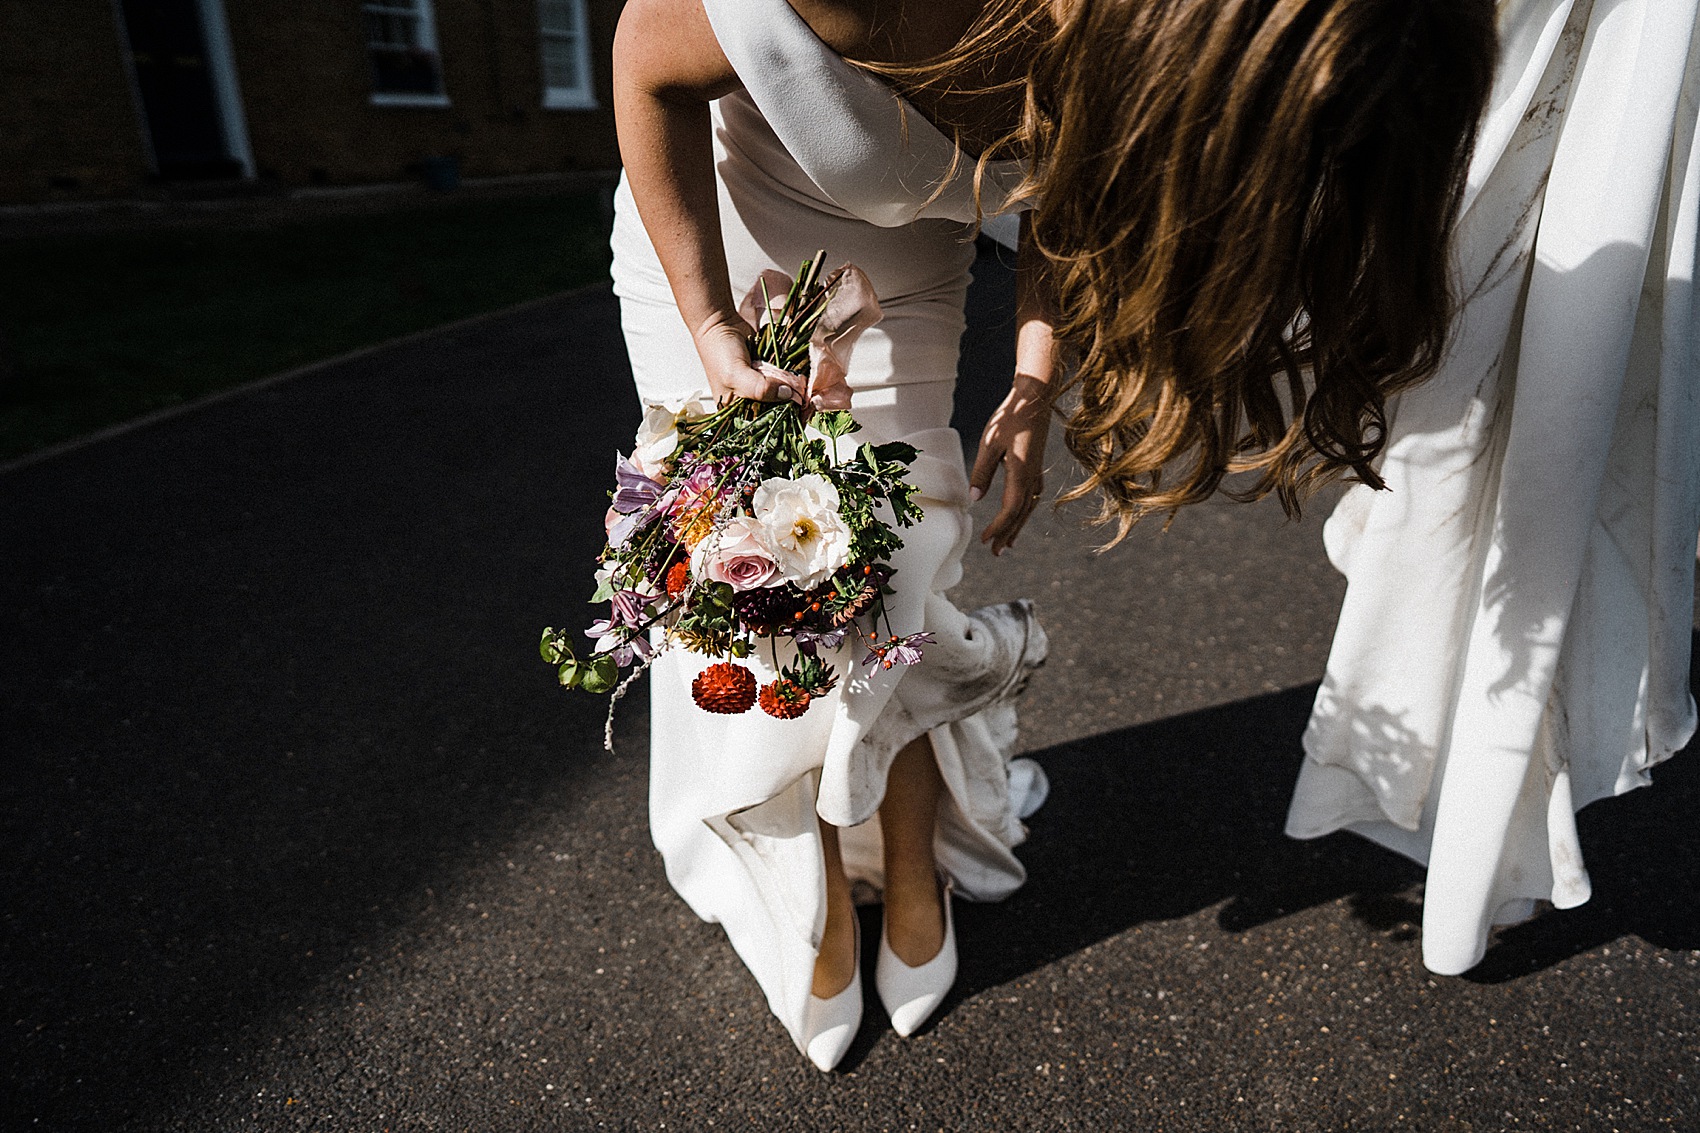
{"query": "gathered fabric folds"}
{"type": "Point", "coordinates": [814, 154]}
{"type": "Point", "coordinates": [1516, 632]}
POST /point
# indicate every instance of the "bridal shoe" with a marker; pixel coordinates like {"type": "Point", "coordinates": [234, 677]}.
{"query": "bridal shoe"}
{"type": "Point", "coordinates": [911, 995]}
{"type": "Point", "coordinates": [831, 1024]}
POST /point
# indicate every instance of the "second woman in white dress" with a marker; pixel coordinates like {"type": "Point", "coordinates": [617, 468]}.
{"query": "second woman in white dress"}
{"type": "Point", "coordinates": [1516, 634]}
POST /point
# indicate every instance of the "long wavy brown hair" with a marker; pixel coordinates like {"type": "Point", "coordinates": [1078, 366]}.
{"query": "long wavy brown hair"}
{"type": "Point", "coordinates": [1246, 206]}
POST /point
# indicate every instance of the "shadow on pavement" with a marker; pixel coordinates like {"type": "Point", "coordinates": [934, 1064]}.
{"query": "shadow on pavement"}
{"type": "Point", "coordinates": [1164, 819]}
{"type": "Point", "coordinates": [271, 684]}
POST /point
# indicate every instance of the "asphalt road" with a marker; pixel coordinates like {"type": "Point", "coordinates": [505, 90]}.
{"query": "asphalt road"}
{"type": "Point", "coordinates": [298, 832]}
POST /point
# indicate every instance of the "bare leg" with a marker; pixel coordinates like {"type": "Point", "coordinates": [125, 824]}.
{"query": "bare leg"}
{"type": "Point", "coordinates": [836, 964]}
{"type": "Point", "coordinates": [914, 919]}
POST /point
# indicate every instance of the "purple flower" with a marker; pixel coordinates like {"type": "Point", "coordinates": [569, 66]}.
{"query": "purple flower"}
{"type": "Point", "coordinates": [637, 501]}
{"type": "Point", "coordinates": [626, 607]}
{"type": "Point", "coordinates": [622, 632]}
{"type": "Point", "coordinates": [907, 650]}
{"type": "Point", "coordinates": [622, 649]}
{"type": "Point", "coordinates": [809, 641]}
{"type": "Point", "coordinates": [633, 491]}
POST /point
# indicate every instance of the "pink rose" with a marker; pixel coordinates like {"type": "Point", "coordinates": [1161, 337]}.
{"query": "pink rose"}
{"type": "Point", "coordinates": [736, 556]}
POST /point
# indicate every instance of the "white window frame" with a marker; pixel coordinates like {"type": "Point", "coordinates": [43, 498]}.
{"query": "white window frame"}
{"type": "Point", "coordinates": [425, 12]}
{"type": "Point", "coordinates": [582, 96]}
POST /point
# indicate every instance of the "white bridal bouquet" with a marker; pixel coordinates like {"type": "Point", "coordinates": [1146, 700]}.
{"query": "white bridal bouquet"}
{"type": "Point", "coordinates": [735, 525]}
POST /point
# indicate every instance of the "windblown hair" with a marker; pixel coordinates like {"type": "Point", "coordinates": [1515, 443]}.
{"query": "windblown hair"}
{"type": "Point", "coordinates": [1246, 206]}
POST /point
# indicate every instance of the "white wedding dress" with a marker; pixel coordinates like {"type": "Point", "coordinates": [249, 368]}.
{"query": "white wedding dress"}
{"type": "Point", "coordinates": [1516, 632]}
{"type": "Point", "coordinates": [811, 154]}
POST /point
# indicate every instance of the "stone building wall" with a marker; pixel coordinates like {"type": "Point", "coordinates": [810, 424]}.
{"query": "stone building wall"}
{"type": "Point", "coordinates": [71, 126]}
{"type": "Point", "coordinates": [68, 124]}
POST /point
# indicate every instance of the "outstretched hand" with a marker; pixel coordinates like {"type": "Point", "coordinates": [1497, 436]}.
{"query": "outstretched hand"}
{"type": "Point", "coordinates": [1015, 439]}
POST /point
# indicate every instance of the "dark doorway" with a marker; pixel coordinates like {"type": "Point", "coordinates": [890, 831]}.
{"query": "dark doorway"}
{"type": "Point", "coordinates": [174, 74]}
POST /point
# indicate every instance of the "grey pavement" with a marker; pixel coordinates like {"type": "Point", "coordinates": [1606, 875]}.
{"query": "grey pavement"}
{"type": "Point", "coordinates": [299, 834]}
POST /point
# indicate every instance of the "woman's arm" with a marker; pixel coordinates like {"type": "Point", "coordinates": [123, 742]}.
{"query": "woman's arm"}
{"type": "Point", "coordinates": [668, 66]}
{"type": "Point", "coordinates": [1015, 436]}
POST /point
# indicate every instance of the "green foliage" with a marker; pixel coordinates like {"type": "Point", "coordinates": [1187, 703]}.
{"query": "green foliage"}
{"type": "Point", "coordinates": [834, 423]}
{"type": "Point", "coordinates": [558, 651]}
{"type": "Point", "coordinates": [811, 674]}
{"type": "Point", "coordinates": [554, 645]}
{"type": "Point", "coordinates": [601, 675]}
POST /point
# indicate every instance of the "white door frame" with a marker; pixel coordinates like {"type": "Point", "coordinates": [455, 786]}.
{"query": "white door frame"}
{"type": "Point", "coordinates": [227, 92]}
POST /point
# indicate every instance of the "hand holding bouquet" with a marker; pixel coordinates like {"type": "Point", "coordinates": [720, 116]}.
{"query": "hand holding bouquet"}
{"type": "Point", "coordinates": [736, 527]}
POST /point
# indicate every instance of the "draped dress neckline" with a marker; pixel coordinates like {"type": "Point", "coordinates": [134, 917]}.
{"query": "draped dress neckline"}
{"type": "Point", "coordinates": [862, 143]}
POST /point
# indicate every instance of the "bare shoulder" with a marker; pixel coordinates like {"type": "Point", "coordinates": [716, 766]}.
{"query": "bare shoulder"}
{"type": "Point", "coordinates": [669, 46]}
{"type": "Point", "coordinates": [888, 31]}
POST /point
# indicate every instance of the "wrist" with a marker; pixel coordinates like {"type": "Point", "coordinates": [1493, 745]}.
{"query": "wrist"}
{"type": "Point", "coordinates": [1031, 387]}
{"type": "Point", "coordinates": [719, 322]}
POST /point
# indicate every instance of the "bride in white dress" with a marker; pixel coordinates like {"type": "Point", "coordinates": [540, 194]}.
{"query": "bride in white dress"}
{"type": "Point", "coordinates": [909, 770]}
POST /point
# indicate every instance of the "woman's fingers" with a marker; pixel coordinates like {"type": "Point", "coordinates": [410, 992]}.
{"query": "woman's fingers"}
{"type": "Point", "coordinates": [986, 462]}
{"type": "Point", "coordinates": [1015, 439]}
{"type": "Point", "coordinates": [763, 383]}
{"type": "Point", "coordinates": [1023, 484]}
{"type": "Point", "coordinates": [1022, 489]}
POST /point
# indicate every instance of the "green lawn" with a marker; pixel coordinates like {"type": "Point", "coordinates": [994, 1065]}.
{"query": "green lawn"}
{"type": "Point", "coordinates": [98, 329]}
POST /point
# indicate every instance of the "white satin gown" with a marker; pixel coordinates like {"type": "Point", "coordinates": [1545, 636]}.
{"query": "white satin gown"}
{"type": "Point", "coordinates": [811, 154]}
{"type": "Point", "coordinates": [1516, 632]}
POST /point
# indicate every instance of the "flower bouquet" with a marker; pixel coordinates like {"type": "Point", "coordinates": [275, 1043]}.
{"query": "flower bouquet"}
{"type": "Point", "coordinates": [735, 527]}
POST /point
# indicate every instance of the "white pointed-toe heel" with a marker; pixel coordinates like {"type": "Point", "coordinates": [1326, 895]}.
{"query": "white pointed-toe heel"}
{"type": "Point", "coordinates": [832, 1023]}
{"type": "Point", "coordinates": [911, 995]}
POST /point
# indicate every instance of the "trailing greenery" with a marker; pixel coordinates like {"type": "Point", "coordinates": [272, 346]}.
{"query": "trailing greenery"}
{"type": "Point", "coordinates": [98, 329]}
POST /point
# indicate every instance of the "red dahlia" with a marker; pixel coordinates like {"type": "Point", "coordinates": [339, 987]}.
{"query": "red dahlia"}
{"type": "Point", "coordinates": [785, 699]}
{"type": "Point", "coordinates": [678, 578]}
{"type": "Point", "coordinates": [724, 687]}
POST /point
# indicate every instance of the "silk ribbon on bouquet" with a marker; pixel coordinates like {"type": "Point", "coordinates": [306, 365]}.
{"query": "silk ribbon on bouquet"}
{"type": "Point", "coordinates": [852, 309]}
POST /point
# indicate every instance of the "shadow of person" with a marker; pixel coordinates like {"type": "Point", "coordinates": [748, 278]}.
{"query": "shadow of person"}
{"type": "Point", "coordinates": [1163, 820]}
{"type": "Point", "coordinates": [1170, 818]}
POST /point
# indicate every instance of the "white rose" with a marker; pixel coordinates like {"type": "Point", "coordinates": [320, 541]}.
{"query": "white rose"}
{"type": "Point", "coordinates": [801, 526]}
{"type": "Point", "coordinates": [694, 406]}
{"type": "Point", "coordinates": [656, 440]}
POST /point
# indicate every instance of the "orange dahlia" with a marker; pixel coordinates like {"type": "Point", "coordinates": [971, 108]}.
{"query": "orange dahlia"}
{"type": "Point", "coordinates": [724, 687]}
{"type": "Point", "coordinates": [678, 578]}
{"type": "Point", "coordinates": [785, 699]}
